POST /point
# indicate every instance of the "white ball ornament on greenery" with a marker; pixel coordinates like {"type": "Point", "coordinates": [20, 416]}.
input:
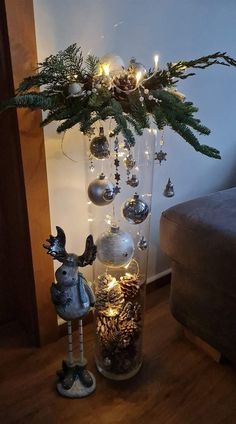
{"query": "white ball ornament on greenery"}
{"type": "Point", "coordinates": [74, 89]}
{"type": "Point", "coordinates": [101, 191]}
{"type": "Point", "coordinates": [115, 248]}
{"type": "Point", "coordinates": [135, 210]}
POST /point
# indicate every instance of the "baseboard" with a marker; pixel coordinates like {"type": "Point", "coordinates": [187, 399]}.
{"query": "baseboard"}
{"type": "Point", "coordinates": [158, 276]}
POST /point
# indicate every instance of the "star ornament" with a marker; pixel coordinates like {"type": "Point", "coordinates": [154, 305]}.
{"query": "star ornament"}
{"type": "Point", "coordinates": [160, 156]}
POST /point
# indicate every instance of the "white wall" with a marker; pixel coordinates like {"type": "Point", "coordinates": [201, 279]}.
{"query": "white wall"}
{"type": "Point", "coordinates": [183, 29]}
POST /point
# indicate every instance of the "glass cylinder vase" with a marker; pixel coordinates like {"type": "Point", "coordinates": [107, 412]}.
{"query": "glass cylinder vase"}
{"type": "Point", "coordinates": [119, 199]}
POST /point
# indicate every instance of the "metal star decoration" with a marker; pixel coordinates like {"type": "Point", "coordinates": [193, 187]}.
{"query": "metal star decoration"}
{"type": "Point", "coordinates": [160, 156]}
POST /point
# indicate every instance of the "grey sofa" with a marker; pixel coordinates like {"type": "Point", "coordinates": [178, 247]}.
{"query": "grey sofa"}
{"type": "Point", "coordinates": [200, 238]}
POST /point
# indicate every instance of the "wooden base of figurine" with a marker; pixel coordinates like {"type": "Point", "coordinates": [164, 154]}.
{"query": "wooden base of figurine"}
{"type": "Point", "coordinates": [75, 381]}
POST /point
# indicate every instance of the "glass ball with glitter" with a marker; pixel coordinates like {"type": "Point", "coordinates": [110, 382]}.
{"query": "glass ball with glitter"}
{"type": "Point", "coordinates": [99, 146]}
{"type": "Point", "coordinates": [115, 247]}
{"type": "Point", "coordinates": [135, 210]}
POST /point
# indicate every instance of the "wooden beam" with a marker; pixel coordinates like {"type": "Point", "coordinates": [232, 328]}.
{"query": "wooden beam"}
{"type": "Point", "coordinates": [23, 51]}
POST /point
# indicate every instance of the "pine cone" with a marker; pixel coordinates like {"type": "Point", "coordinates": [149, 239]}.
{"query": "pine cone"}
{"type": "Point", "coordinates": [107, 298]}
{"type": "Point", "coordinates": [107, 330]}
{"type": "Point", "coordinates": [128, 330]}
{"type": "Point", "coordinates": [125, 82]}
{"type": "Point", "coordinates": [130, 286]}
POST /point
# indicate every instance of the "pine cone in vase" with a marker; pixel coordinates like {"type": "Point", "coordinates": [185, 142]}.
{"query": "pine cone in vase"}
{"type": "Point", "coordinates": [128, 331]}
{"type": "Point", "coordinates": [125, 82]}
{"type": "Point", "coordinates": [109, 296]}
{"type": "Point", "coordinates": [130, 285]}
{"type": "Point", "coordinates": [107, 330]}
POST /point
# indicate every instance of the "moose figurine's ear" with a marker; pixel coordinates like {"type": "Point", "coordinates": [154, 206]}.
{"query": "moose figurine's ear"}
{"type": "Point", "coordinates": [89, 254]}
{"type": "Point", "coordinates": [56, 246]}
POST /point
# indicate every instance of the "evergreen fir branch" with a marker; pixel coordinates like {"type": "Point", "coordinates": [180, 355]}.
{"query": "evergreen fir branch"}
{"type": "Point", "coordinates": [32, 100]}
{"type": "Point", "coordinates": [138, 111]}
{"type": "Point", "coordinates": [92, 63]}
{"type": "Point", "coordinates": [121, 122]}
{"type": "Point", "coordinates": [159, 117]}
{"type": "Point", "coordinates": [69, 123]}
{"type": "Point", "coordinates": [135, 124]}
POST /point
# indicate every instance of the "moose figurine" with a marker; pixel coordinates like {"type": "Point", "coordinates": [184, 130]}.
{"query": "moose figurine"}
{"type": "Point", "coordinates": [73, 298]}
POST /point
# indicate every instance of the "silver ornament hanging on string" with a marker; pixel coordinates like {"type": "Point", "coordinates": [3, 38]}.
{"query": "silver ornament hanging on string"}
{"type": "Point", "coordinates": [135, 210]}
{"type": "Point", "coordinates": [133, 181]}
{"type": "Point", "coordinates": [129, 162]}
{"type": "Point", "coordinates": [115, 248]}
{"type": "Point", "coordinates": [142, 243]}
{"type": "Point", "coordinates": [101, 191]}
{"type": "Point", "coordinates": [169, 189]}
{"type": "Point", "coordinates": [99, 146]}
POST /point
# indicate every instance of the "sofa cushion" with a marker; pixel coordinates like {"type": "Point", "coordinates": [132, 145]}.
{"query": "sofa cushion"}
{"type": "Point", "coordinates": [201, 235]}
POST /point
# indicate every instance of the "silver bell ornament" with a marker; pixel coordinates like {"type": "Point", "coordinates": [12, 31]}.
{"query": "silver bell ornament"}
{"type": "Point", "coordinates": [115, 248]}
{"type": "Point", "coordinates": [101, 191]}
{"type": "Point", "coordinates": [135, 210]}
{"type": "Point", "coordinates": [99, 146]}
{"type": "Point", "coordinates": [169, 189]}
{"type": "Point", "coordinates": [142, 243]}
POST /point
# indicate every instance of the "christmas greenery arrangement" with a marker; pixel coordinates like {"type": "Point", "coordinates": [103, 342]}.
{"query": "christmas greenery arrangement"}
{"type": "Point", "coordinates": [82, 91]}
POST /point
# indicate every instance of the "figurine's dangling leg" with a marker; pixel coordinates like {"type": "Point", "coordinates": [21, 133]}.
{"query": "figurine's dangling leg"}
{"type": "Point", "coordinates": [81, 342]}
{"type": "Point", "coordinates": [70, 344]}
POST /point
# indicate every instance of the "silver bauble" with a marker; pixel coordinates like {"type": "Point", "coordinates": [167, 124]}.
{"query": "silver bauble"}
{"type": "Point", "coordinates": [135, 210]}
{"type": "Point", "coordinates": [133, 181]}
{"type": "Point", "coordinates": [99, 146]}
{"type": "Point", "coordinates": [129, 162]}
{"type": "Point", "coordinates": [137, 67]}
{"type": "Point", "coordinates": [101, 191]}
{"type": "Point", "coordinates": [74, 89]}
{"type": "Point", "coordinates": [115, 248]}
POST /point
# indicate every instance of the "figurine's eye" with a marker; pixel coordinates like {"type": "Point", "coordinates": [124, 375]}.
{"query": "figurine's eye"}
{"type": "Point", "coordinates": [64, 272]}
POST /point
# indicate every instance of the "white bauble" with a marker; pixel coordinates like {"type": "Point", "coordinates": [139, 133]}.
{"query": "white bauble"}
{"type": "Point", "coordinates": [115, 248]}
{"type": "Point", "coordinates": [74, 89]}
{"type": "Point", "coordinates": [114, 61]}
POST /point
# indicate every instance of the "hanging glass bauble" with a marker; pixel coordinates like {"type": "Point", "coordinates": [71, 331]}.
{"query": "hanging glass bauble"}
{"type": "Point", "coordinates": [133, 181]}
{"type": "Point", "coordinates": [135, 210]}
{"type": "Point", "coordinates": [99, 146]}
{"type": "Point", "coordinates": [101, 191]}
{"type": "Point", "coordinates": [115, 247]}
{"type": "Point", "coordinates": [129, 162]}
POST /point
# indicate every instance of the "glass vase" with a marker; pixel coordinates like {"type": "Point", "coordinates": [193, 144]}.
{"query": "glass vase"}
{"type": "Point", "coordinates": [120, 226]}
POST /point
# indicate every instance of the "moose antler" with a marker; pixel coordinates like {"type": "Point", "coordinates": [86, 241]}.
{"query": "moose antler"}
{"type": "Point", "coordinates": [89, 254]}
{"type": "Point", "coordinates": [56, 247]}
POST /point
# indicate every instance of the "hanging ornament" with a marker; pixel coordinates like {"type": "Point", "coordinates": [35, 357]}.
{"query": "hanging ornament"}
{"type": "Point", "coordinates": [169, 189]}
{"type": "Point", "coordinates": [142, 243]}
{"type": "Point", "coordinates": [99, 146]}
{"type": "Point", "coordinates": [91, 164]}
{"type": "Point", "coordinates": [101, 191]}
{"type": "Point", "coordinates": [117, 164]}
{"type": "Point", "coordinates": [135, 210]}
{"type": "Point", "coordinates": [129, 162]}
{"type": "Point", "coordinates": [115, 247]}
{"type": "Point", "coordinates": [133, 181]}
{"type": "Point", "coordinates": [111, 64]}
{"type": "Point", "coordinates": [161, 156]}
